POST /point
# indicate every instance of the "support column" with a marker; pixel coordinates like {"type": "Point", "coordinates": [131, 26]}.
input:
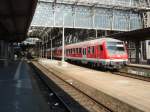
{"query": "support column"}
{"type": "Point", "coordinates": [96, 32]}
{"type": "Point", "coordinates": [141, 51]}
{"type": "Point", "coordinates": [137, 45]}
{"type": "Point", "coordinates": [46, 50]}
{"type": "Point", "coordinates": [39, 50]}
{"type": "Point", "coordinates": [1, 48]}
{"type": "Point", "coordinates": [63, 44]}
{"type": "Point", "coordinates": [43, 48]}
{"type": "Point", "coordinates": [11, 51]}
{"type": "Point", "coordinates": [51, 49]}
{"type": "Point", "coordinates": [6, 54]}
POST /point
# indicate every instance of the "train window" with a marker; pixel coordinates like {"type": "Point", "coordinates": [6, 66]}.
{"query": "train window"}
{"type": "Point", "coordinates": [117, 48]}
{"type": "Point", "coordinates": [73, 51]}
{"type": "Point", "coordinates": [89, 50]}
{"type": "Point", "coordinates": [114, 43]}
{"type": "Point", "coordinates": [93, 50]}
{"type": "Point", "coordinates": [100, 47]}
{"type": "Point", "coordinates": [79, 50]}
{"type": "Point", "coordinates": [84, 51]}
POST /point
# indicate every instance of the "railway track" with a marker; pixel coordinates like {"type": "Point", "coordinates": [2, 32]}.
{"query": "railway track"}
{"type": "Point", "coordinates": [71, 97]}
{"type": "Point", "coordinates": [135, 76]}
{"type": "Point", "coordinates": [133, 72]}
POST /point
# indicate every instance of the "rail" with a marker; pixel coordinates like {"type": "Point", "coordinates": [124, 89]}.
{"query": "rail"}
{"type": "Point", "coordinates": [137, 72]}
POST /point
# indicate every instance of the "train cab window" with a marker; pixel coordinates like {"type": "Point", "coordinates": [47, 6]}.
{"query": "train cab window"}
{"type": "Point", "coordinates": [100, 47]}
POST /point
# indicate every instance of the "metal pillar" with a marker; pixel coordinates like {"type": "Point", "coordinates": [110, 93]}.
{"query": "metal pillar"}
{"type": "Point", "coordinates": [141, 51]}
{"type": "Point", "coordinates": [46, 48]}
{"type": "Point", "coordinates": [11, 51]}
{"type": "Point", "coordinates": [6, 55]}
{"type": "Point", "coordinates": [39, 50]}
{"type": "Point", "coordinates": [1, 49]}
{"type": "Point", "coordinates": [43, 50]}
{"type": "Point", "coordinates": [112, 20]}
{"type": "Point", "coordinates": [96, 32]}
{"type": "Point", "coordinates": [51, 50]}
{"type": "Point", "coordinates": [63, 42]}
{"type": "Point", "coordinates": [137, 45]}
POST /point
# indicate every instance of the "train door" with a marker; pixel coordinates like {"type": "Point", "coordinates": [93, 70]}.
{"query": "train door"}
{"type": "Point", "coordinates": [84, 54]}
{"type": "Point", "coordinates": [100, 51]}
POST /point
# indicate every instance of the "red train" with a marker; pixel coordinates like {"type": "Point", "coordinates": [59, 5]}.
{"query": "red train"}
{"type": "Point", "coordinates": [103, 52]}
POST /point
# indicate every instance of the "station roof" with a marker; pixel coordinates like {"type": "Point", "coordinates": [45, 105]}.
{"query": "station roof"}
{"type": "Point", "coordinates": [120, 4]}
{"type": "Point", "coordinates": [135, 35]}
{"type": "Point", "coordinates": [15, 18]}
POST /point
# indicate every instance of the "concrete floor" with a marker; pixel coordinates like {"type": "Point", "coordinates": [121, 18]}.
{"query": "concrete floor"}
{"type": "Point", "coordinates": [18, 90]}
{"type": "Point", "coordinates": [111, 90]}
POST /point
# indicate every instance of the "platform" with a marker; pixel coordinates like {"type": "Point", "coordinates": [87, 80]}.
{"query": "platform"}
{"type": "Point", "coordinates": [19, 92]}
{"type": "Point", "coordinates": [121, 94]}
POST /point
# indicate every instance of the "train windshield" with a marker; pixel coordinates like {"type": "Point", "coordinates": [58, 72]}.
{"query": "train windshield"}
{"type": "Point", "coordinates": [115, 48]}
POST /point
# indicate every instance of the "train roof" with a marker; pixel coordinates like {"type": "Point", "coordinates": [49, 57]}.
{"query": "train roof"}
{"type": "Point", "coordinates": [92, 42]}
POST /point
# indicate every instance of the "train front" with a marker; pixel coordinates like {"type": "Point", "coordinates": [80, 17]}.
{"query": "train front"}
{"type": "Point", "coordinates": [116, 54]}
